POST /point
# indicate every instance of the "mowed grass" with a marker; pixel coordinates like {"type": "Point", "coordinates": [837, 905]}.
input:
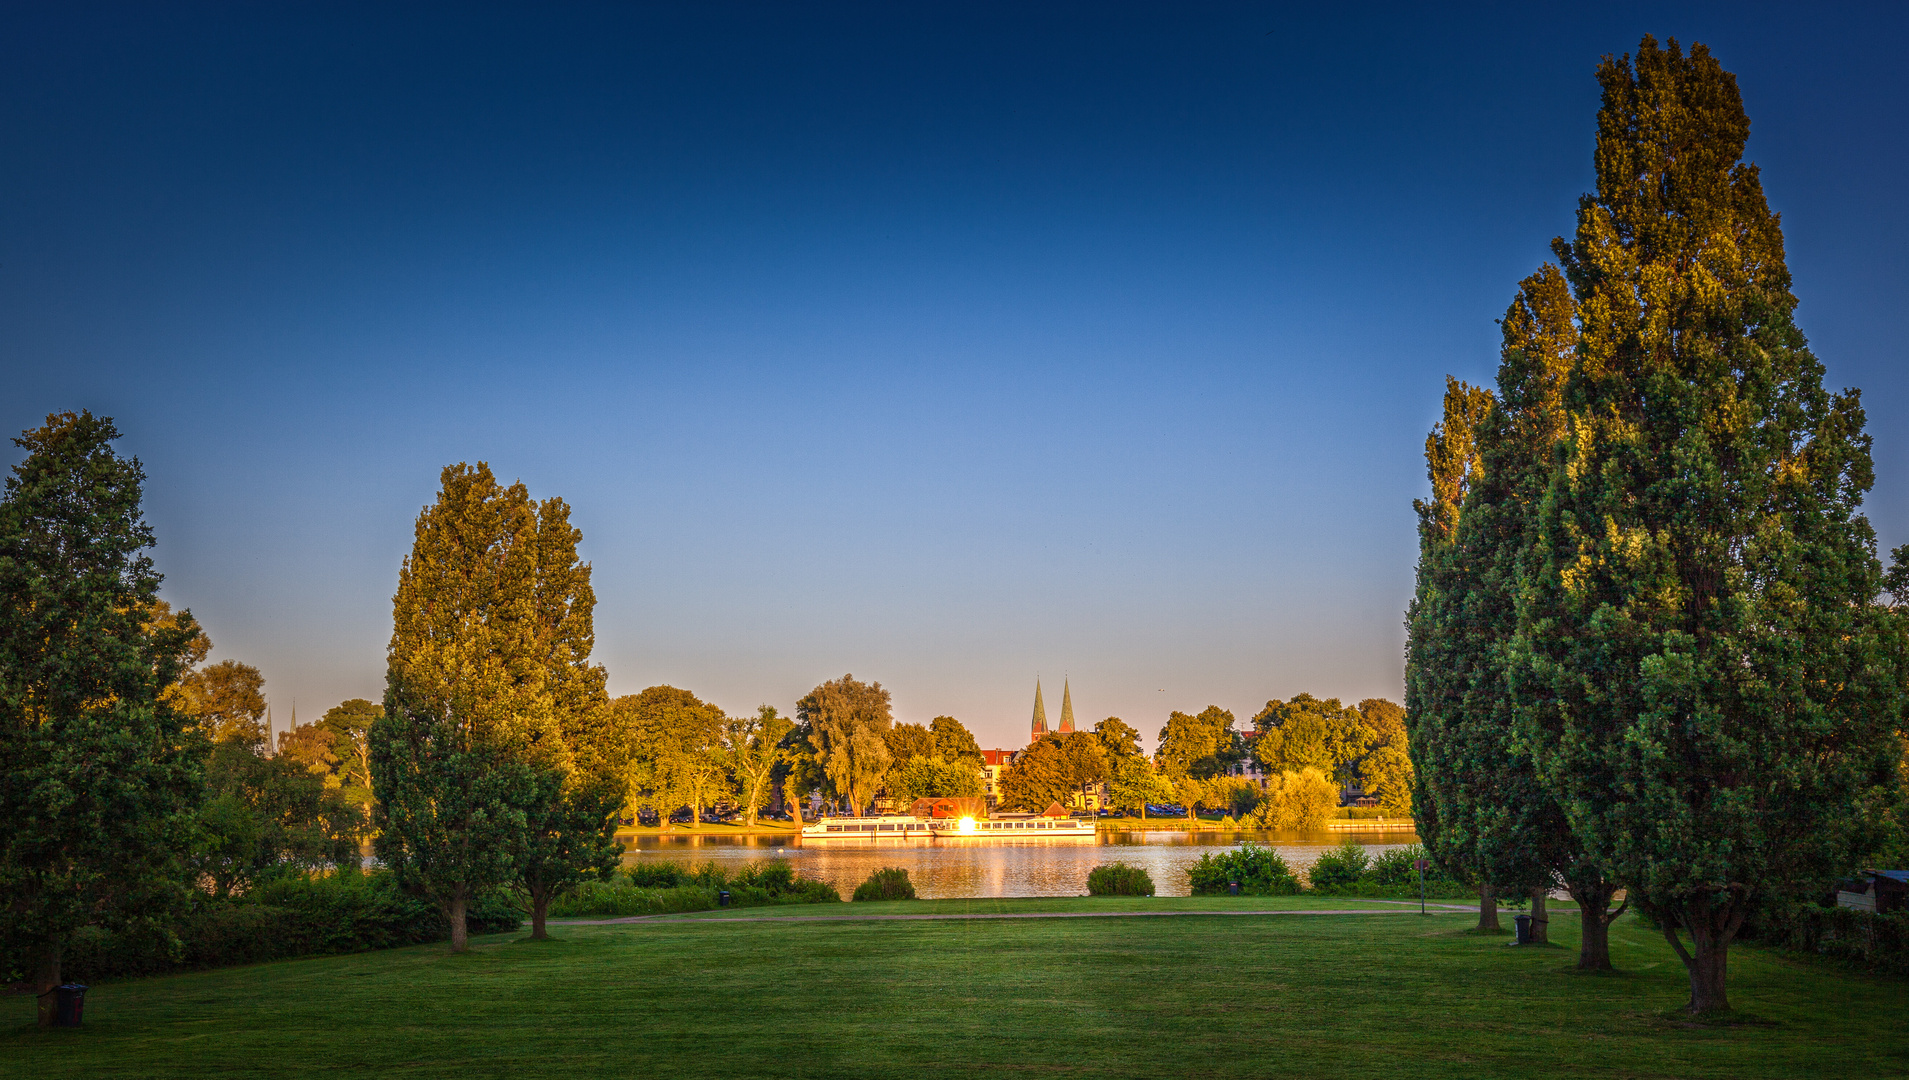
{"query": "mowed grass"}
{"type": "Point", "coordinates": [1371, 995]}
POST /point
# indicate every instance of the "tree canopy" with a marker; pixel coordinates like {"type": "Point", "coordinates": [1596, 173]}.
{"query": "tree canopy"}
{"type": "Point", "coordinates": [490, 697]}
{"type": "Point", "coordinates": [844, 720]}
{"type": "Point", "coordinates": [1199, 746]}
{"type": "Point", "coordinates": [1700, 625]}
{"type": "Point", "coordinates": [100, 776]}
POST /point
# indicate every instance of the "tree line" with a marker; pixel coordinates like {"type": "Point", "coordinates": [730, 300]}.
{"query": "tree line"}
{"type": "Point", "coordinates": [1308, 748]}
{"type": "Point", "coordinates": [1649, 648]}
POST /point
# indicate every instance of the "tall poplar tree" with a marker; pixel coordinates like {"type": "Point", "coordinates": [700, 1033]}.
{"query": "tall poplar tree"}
{"type": "Point", "coordinates": [1713, 690]}
{"type": "Point", "coordinates": [1519, 828]}
{"type": "Point", "coordinates": [100, 776]}
{"type": "Point", "coordinates": [1446, 658]}
{"type": "Point", "coordinates": [570, 832]}
{"type": "Point", "coordinates": [494, 761]}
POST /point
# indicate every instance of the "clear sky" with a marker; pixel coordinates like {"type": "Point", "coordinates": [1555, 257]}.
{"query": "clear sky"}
{"type": "Point", "coordinates": [948, 344]}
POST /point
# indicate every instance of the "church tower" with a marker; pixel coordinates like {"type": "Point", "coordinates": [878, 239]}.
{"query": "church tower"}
{"type": "Point", "coordinates": [1040, 715]}
{"type": "Point", "coordinates": [1067, 709]}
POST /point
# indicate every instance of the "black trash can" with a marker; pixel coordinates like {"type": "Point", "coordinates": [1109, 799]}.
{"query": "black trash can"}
{"type": "Point", "coordinates": [1523, 923]}
{"type": "Point", "coordinates": [1232, 888]}
{"type": "Point", "coordinates": [722, 898]}
{"type": "Point", "coordinates": [61, 1006]}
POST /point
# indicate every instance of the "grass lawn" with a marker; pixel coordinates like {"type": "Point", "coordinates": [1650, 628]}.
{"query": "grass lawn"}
{"type": "Point", "coordinates": [1341, 996]}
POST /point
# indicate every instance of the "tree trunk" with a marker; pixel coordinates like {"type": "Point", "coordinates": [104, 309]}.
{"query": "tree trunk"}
{"type": "Point", "coordinates": [1594, 923]}
{"type": "Point", "coordinates": [1707, 970]}
{"type": "Point", "coordinates": [1708, 959]}
{"type": "Point", "coordinates": [1540, 920]}
{"type": "Point", "coordinates": [1488, 911]}
{"type": "Point", "coordinates": [539, 910]}
{"type": "Point", "coordinates": [1594, 937]}
{"type": "Point", "coordinates": [460, 934]}
{"type": "Point", "coordinates": [46, 975]}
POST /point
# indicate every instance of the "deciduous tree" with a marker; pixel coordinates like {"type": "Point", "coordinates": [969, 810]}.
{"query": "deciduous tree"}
{"type": "Point", "coordinates": [673, 736]}
{"type": "Point", "coordinates": [227, 699]}
{"type": "Point", "coordinates": [1301, 799]}
{"type": "Point", "coordinates": [1308, 733]}
{"type": "Point", "coordinates": [932, 778]}
{"type": "Point", "coordinates": [1200, 746]}
{"type": "Point", "coordinates": [844, 721]}
{"type": "Point", "coordinates": [953, 742]}
{"type": "Point", "coordinates": [1040, 776]}
{"type": "Point", "coordinates": [752, 749]}
{"type": "Point", "coordinates": [1118, 740]}
{"type": "Point", "coordinates": [1136, 783]}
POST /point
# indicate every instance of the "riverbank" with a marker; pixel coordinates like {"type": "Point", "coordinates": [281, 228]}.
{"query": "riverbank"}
{"type": "Point", "coordinates": [1109, 825]}
{"type": "Point", "coordinates": [1243, 996]}
{"type": "Point", "coordinates": [1386, 825]}
{"type": "Point", "coordinates": [760, 828]}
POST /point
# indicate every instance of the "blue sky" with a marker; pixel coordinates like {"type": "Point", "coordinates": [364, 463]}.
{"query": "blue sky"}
{"type": "Point", "coordinates": [950, 345]}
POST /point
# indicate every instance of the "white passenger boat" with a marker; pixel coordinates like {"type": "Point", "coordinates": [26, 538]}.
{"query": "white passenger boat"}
{"type": "Point", "coordinates": [1009, 826]}
{"type": "Point", "coordinates": [949, 819]}
{"type": "Point", "coordinates": [885, 827]}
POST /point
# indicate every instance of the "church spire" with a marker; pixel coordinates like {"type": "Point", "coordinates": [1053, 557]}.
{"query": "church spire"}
{"type": "Point", "coordinates": [1067, 709]}
{"type": "Point", "coordinates": [1040, 714]}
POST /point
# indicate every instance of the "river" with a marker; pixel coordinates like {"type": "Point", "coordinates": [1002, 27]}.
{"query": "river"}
{"type": "Point", "coordinates": [1050, 866]}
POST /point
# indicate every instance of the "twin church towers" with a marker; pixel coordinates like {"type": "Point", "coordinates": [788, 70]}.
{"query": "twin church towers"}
{"type": "Point", "coordinates": [1040, 713]}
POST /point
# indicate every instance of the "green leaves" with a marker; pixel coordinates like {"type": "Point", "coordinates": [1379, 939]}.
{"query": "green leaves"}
{"type": "Point", "coordinates": [1644, 646]}
{"type": "Point", "coordinates": [99, 776]}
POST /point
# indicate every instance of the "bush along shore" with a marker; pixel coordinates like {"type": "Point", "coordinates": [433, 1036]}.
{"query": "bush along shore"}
{"type": "Point", "coordinates": [666, 888]}
{"type": "Point", "coordinates": [1346, 870]}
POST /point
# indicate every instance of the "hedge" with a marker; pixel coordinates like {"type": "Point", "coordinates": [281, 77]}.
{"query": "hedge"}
{"type": "Point", "coordinates": [665, 888]}
{"type": "Point", "coordinates": [1861, 938]}
{"type": "Point", "coordinates": [343, 912]}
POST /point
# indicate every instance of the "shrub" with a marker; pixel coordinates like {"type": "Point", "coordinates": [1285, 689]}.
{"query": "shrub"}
{"type": "Point", "coordinates": [655, 875]}
{"type": "Point", "coordinates": [1348, 871]}
{"type": "Point", "coordinates": [1119, 879]}
{"type": "Point", "coordinates": [1259, 870]}
{"type": "Point", "coordinates": [1399, 868]}
{"type": "Point", "coordinates": [888, 883]}
{"type": "Point", "coordinates": [1339, 867]}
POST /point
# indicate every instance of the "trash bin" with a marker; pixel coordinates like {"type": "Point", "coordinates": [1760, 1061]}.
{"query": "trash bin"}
{"type": "Point", "coordinates": [1232, 888]}
{"type": "Point", "coordinates": [722, 898]}
{"type": "Point", "coordinates": [60, 1006]}
{"type": "Point", "coordinates": [1524, 928]}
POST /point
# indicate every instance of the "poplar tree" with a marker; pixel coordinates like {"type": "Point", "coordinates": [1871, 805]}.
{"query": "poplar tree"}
{"type": "Point", "coordinates": [494, 762]}
{"type": "Point", "coordinates": [570, 832]}
{"type": "Point", "coordinates": [1446, 657]}
{"type": "Point", "coordinates": [1519, 828]}
{"type": "Point", "coordinates": [1713, 691]}
{"type": "Point", "coordinates": [100, 776]}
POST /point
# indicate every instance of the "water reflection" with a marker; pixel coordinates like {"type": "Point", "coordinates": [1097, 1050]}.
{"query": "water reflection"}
{"type": "Point", "coordinates": [1046, 866]}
